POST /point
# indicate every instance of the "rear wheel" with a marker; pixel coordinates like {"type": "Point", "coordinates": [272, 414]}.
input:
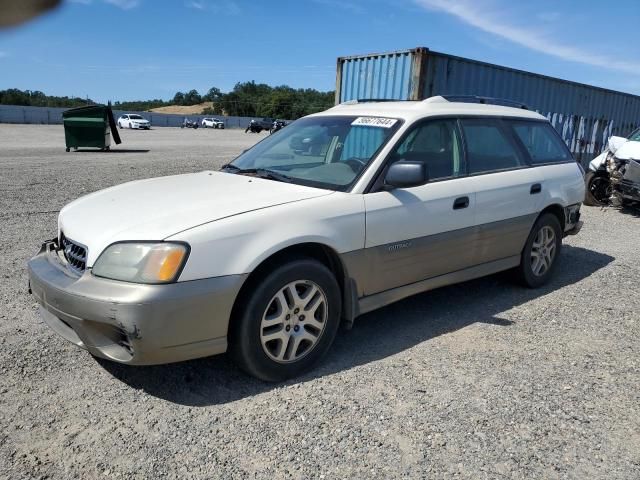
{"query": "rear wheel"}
{"type": "Point", "coordinates": [287, 322]}
{"type": "Point", "coordinates": [597, 189]}
{"type": "Point", "coordinates": [539, 256]}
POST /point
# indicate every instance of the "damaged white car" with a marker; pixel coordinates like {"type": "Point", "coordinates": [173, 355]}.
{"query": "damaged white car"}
{"type": "Point", "coordinates": [614, 175]}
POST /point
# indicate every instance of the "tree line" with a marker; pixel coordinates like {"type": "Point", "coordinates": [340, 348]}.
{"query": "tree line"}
{"type": "Point", "coordinates": [247, 99]}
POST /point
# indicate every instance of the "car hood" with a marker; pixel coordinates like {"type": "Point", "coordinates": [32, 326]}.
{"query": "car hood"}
{"type": "Point", "coordinates": [157, 208]}
{"type": "Point", "coordinates": [629, 150]}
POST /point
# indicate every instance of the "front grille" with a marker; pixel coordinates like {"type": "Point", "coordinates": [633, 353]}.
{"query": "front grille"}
{"type": "Point", "coordinates": [75, 254]}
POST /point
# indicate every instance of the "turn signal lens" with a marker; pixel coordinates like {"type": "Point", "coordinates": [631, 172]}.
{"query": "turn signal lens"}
{"type": "Point", "coordinates": [163, 264]}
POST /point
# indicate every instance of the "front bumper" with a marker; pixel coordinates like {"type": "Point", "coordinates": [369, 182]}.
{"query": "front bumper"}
{"type": "Point", "coordinates": [132, 323]}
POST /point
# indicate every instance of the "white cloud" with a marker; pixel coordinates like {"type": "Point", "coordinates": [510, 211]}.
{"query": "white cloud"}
{"type": "Point", "coordinates": [478, 14]}
{"type": "Point", "coordinates": [196, 5]}
{"type": "Point", "coordinates": [223, 7]}
{"type": "Point", "coordinates": [123, 4]}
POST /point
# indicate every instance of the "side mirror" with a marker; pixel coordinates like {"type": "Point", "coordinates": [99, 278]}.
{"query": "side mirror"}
{"type": "Point", "coordinates": [406, 173]}
{"type": "Point", "coordinates": [615, 143]}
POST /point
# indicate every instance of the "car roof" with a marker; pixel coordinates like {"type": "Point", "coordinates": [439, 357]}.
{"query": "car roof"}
{"type": "Point", "coordinates": [433, 106]}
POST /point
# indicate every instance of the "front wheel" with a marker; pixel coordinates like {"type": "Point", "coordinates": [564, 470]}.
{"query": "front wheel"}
{"type": "Point", "coordinates": [540, 254]}
{"type": "Point", "coordinates": [287, 321]}
{"type": "Point", "coordinates": [597, 189]}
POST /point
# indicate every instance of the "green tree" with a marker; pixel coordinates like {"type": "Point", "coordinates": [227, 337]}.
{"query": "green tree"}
{"type": "Point", "coordinates": [178, 98]}
{"type": "Point", "coordinates": [212, 95]}
{"type": "Point", "coordinates": [192, 97]}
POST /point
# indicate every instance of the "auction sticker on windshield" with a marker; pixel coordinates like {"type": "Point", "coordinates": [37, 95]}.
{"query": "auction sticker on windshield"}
{"type": "Point", "coordinates": [375, 122]}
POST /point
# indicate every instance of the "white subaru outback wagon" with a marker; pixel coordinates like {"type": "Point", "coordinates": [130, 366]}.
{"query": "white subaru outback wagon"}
{"type": "Point", "coordinates": [340, 213]}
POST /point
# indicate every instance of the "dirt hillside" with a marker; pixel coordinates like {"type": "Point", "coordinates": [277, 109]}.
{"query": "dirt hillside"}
{"type": "Point", "coordinates": [184, 110]}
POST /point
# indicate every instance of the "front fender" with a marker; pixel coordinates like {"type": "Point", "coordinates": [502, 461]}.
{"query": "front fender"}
{"type": "Point", "coordinates": [242, 242]}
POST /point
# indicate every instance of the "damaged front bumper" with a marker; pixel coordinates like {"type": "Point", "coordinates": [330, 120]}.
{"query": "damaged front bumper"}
{"type": "Point", "coordinates": [133, 323]}
{"type": "Point", "coordinates": [625, 180]}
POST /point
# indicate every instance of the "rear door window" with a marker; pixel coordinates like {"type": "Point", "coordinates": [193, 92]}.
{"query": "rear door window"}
{"type": "Point", "coordinates": [489, 147]}
{"type": "Point", "coordinates": [542, 143]}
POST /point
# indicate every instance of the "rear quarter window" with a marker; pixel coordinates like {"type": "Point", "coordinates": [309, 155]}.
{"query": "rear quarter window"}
{"type": "Point", "coordinates": [541, 142]}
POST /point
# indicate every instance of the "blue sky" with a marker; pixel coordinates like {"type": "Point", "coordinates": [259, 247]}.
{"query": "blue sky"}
{"type": "Point", "coordinates": [141, 49]}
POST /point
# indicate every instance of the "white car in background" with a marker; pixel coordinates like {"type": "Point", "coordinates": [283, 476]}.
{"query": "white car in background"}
{"type": "Point", "coordinates": [339, 214]}
{"type": "Point", "coordinates": [133, 120]}
{"type": "Point", "coordinates": [212, 123]}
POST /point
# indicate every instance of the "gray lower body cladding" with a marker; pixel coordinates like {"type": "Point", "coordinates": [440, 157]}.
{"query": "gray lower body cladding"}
{"type": "Point", "coordinates": [385, 267]}
{"type": "Point", "coordinates": [132, 323]}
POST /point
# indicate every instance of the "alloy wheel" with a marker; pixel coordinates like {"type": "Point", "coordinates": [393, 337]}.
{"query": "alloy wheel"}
{"type": "Point", "coordinates": [294, 321]}
{"type": "Point", "coordinates": [543, 251]}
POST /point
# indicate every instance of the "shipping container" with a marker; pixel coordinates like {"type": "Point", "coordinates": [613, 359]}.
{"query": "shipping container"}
{"type": "Point", "coordinates": [585, 115]}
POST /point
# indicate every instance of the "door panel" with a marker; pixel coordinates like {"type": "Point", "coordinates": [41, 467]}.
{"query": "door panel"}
{"type": "Point", "coordinates": [415, 233]}
{"type": "Point", "coordinates": [508, 191]}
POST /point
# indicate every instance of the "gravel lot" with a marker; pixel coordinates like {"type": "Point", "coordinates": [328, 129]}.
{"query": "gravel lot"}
{"type": "Point", "coordinates": [480, 380]}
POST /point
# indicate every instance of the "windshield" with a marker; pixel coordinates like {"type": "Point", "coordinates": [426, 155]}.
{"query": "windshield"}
{"type": "Point", "coordinates": [326, 152]}
{"type": "Point", "coordinates": [135, 117]}
{"type": "Point", "coordinates": [635, 136]}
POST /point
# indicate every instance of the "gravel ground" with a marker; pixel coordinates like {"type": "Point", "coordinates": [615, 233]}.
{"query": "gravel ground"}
{"type": "Point", "coordinates": [479, 380]}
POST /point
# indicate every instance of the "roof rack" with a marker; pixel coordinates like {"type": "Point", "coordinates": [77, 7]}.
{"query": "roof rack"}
{"type": "Point", "coordinates": [372, 100]}
{"type": "Point", "coordinates": [485, 100]}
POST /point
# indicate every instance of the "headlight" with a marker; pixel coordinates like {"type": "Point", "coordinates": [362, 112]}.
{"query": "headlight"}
{"type": "Point", "coordinates": [142, 262]}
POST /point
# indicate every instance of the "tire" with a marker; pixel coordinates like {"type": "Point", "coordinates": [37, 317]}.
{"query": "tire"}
{"type": "Point", "coordinates": [130, 126]}
{"type": "Point", "coordinates": [119, 125]}
{"type": "Point", "coordinates": [272, 359]}
{"type": "Point", "coordinates": [596, 193]}
{"type": "Point", "coordinates": [545, 231]}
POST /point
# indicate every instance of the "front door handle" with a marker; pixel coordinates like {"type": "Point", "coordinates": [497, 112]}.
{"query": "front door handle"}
{"type": "Point", "coordinates": [461, 202]}
{"type": "Point", "coordinates": [535, 188]}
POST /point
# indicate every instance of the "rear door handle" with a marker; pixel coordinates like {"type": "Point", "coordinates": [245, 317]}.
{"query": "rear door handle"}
{"type": "Point", "coordinates": [461, 202]}
{"type": "Point", "coordinates": [535, 188]}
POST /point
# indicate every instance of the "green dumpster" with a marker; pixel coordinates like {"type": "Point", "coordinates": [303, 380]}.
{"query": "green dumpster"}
{"type": "Point", "coordinates": [90, 126]}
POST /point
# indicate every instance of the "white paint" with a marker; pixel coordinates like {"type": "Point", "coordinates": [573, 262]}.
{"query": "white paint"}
{"type": "Point", "coordinates": [156, 208]}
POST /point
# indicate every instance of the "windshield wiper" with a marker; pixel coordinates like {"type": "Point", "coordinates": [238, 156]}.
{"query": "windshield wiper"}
{"type": "Point", "coordinates": [272, 175]}
{"type": "Point", "coordinates": [230, 166]}
{"type": "Point", "coordinates": [259, 172]}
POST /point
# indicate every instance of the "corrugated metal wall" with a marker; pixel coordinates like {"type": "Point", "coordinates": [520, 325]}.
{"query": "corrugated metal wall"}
{"type": "Point", "coordinates": [584, 115]}
{"type": "Point", "coordinates": [376, 76]}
